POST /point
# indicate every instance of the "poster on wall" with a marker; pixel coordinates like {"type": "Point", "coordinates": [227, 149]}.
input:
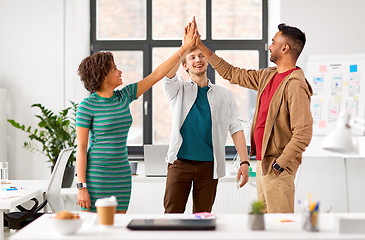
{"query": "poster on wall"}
{"type": "Point", "coordinates": [338, 83]}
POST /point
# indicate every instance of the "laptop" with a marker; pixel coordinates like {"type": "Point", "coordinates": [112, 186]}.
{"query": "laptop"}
{"type": "Point", "coordinates": [171, 224]}
{"type": "Point", "coordinates": [154, 160]}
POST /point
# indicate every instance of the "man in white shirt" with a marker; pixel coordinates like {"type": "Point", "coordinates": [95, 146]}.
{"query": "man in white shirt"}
{"type": "Point", "coordinates": [203, 114]}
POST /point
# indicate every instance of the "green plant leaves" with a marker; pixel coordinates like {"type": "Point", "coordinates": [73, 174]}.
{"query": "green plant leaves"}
{"type": "Point", "coordinates": [56, 132]}
{"type": "Point", "coordinates": [257, 207]}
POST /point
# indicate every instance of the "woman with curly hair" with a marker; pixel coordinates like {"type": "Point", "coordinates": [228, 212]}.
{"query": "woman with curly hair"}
{"type": "Point", "coordinates": [103, 169]}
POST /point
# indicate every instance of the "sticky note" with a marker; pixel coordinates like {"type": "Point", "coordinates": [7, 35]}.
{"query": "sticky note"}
{"type": "Point", "coordinates": [322, 124]}
{"type": "Point", "coordinates": [353, 68]}
{"type": "Point", "coordinates": [337, 98]}
{"type": "Point", "coordinates": [323, 68]}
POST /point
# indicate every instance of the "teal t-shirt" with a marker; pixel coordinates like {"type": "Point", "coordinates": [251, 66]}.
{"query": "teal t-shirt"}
{"type": "Point", "coordinates": [196, 130]}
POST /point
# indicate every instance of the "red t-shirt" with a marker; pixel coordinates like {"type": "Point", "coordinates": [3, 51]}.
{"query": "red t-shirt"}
{"type": "Point", "coordinates": [265, 100]}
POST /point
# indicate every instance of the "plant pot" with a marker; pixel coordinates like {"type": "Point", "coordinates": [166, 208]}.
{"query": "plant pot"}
{"type": "Point", "coordinates": [68, 176]}
{"type": "Point", "coordinates": [256, 222]}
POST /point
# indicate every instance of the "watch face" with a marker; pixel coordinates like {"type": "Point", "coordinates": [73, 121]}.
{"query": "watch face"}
{"type": "Point", "coordinates": [276, 166]}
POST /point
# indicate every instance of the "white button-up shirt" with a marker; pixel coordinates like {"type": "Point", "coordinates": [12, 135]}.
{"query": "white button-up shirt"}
{"type": "Point", "coordinates": [224, 114]}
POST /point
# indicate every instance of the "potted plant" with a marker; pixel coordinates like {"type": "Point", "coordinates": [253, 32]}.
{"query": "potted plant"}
{"type": "Point", "coordinates": [256, 218]}
{"type": "Point", "coordinates": [55, 132]}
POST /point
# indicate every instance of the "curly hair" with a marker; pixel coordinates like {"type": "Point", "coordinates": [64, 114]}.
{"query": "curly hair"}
{"type": "Point", "coordinates": [93, 70]}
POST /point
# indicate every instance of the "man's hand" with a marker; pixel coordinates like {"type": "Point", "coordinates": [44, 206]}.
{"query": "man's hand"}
{"type": "Point", "coordinates": [277, 173]}
{"type": "Point", "coordinates": [198, 40]}
{"type": "Point", "coordinates": [189, 35]}
{"type": "Point", "coordinates": [243, 172]}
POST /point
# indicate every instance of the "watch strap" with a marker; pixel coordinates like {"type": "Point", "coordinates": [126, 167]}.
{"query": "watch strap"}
{"type": "Point", "coordinates": [277, 167]}
{"type": "Point", "coordinates": [245, 162]}
{"type": "Point", "coordinates": [80, 185]}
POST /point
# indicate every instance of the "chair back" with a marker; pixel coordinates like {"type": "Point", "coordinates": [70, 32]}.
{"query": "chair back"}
{"type": "Point", "coordinates": [53, 192]}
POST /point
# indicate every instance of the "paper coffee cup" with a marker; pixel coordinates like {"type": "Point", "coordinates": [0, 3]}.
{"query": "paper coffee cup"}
{"type": "Point", "coordinates": [106, 207]}
{"type": "Point", "coordinates": [134, 166]}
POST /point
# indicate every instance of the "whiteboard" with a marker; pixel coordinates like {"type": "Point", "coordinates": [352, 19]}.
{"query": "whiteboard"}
{"type": "Point", "coordinates": [338, 84]}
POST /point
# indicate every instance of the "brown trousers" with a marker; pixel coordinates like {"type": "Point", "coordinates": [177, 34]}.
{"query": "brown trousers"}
{"type": "Point", "coordinates": [180, 177]}
{"type": "Point", "coordinates": [277, 192]}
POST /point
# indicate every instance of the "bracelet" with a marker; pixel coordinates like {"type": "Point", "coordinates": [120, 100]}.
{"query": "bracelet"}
{"type": "Point", "coordinates": [179, 53]}
{"type": "Point", "coordinates": [245, 162]}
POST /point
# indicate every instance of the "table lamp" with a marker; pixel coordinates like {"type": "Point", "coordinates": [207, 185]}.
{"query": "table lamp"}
{"type": "Point", "coordinates": [341, 140]}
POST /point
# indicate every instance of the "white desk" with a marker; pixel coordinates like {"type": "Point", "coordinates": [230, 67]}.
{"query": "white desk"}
{"type": "Point", "coordinates": [229, 227]}
{"type": "Point", "coordinates": [11, 199]}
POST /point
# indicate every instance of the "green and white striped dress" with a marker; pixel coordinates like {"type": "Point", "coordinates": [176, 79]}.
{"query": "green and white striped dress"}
{"type": "Point", "coordinates": [108, 171]}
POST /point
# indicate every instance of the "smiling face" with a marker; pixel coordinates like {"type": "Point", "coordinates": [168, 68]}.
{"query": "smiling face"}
{"type": "Point", "coordinates": [196, 63]}
{"type": "Point", "coordinates": [114, 77]}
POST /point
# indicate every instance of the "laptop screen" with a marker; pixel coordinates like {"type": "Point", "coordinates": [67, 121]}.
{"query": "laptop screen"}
{"type": "Point", "coordinates": [154, 160]}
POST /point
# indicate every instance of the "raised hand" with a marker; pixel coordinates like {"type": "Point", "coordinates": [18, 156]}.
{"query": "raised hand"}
{"type": "Point", "coordinates": [198, 36]}
{"type": "Point", "coordinates": [190, 35]}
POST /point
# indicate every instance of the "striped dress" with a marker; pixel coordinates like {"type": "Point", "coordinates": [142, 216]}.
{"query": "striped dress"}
{"type": "Point", "coordinates": [108, 171]}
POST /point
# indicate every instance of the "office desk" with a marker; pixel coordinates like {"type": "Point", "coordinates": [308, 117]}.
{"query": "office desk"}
{"type": "Point", "coordinates": [27, 189]}
{"type": "Point", "coordinates": [229, 227]}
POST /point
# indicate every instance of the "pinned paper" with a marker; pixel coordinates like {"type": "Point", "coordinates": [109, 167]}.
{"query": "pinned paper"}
{"type": "Point", "coordinates": [337, 98]}
{"type": "Point", "coordinates": [323, 68]}
{"type": "Point", "coordinates": [322, 123]}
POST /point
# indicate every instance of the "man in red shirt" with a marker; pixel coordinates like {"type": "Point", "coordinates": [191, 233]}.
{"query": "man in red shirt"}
{"type": "Point", "coordinates": [282, 123]}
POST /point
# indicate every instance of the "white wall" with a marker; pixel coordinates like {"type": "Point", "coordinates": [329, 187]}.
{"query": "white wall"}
{"type": "Point", "coordinates": [331, 27]}
{"type": "Point", "coordinates": [41, 43]}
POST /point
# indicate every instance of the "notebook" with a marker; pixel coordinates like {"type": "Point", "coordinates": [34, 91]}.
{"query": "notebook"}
{"type": "Point", "coordinates": [154, 160]}
{"type": "Point", "coordinates": [171, 224]}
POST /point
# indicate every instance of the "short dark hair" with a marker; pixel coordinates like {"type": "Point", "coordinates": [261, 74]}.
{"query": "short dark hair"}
{"type": "Point", "coordinates": [295, 36]}
{"type": "Point", "coordinates": [93, 70]}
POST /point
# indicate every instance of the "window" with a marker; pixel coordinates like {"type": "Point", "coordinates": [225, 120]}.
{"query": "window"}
{"type": "Point", "coordinates": [143, 33]}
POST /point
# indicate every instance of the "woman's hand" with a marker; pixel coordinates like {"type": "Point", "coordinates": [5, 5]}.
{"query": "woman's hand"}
{"type": "Point", "coordinates": [83, 198]}
{"type": "Point", "coordinates": [190, 35]}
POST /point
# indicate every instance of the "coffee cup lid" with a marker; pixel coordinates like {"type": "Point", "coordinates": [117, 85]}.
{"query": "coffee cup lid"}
{"type": "Point", "coordinates": [106, 202]}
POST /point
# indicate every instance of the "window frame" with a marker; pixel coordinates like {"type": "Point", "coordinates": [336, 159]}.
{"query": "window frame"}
{"type": "Point", "coordinates": [147, 45]}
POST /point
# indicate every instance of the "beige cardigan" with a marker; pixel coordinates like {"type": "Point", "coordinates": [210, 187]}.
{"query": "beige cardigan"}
{"type": "Point", "coordinates": [288, 129]}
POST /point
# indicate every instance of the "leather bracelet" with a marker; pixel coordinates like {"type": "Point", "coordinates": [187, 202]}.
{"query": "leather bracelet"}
{"type": "Point", "coordinates": [245, 162]}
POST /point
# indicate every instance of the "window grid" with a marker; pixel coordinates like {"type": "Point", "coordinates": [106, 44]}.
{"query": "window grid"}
{"type": "Point", "coordinates": [147, 45]}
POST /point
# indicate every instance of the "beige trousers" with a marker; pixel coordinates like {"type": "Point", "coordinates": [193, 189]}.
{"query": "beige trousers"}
{"type": "Point", "coordinates": [277, 192]}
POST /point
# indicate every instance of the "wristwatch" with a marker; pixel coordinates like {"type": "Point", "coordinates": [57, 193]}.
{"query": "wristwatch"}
{"type": "Point", "coordinates": [80, 185]}
{"type": "Point", "coordinates": [277, 167]}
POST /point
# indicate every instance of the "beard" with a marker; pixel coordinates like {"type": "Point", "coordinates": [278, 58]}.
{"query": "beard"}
{"type": "Point", "coordinates": [273, 58]}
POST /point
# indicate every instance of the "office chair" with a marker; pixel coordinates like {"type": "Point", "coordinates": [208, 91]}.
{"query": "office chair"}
{"type": "Point", "coordinates": [52, 196]}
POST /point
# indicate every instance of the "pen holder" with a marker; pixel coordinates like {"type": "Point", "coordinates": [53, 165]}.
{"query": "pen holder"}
{"type": "Point", "coordinates": [310, 221]}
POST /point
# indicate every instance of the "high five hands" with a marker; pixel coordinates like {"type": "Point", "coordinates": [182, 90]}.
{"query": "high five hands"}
{"type": "Point", "coordinates": [190, 35]}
